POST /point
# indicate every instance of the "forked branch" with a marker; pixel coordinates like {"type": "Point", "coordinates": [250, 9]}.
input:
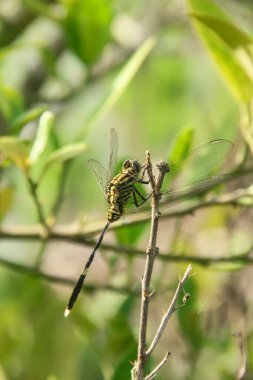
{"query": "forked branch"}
{"type": "Point", "coordinates": [172, 308]}
{"type": "Point", "coordinates": [152, 250]}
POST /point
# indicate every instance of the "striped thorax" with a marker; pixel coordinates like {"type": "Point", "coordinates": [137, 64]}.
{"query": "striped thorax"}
{"type": "Point", "coordinates": [120, 189]}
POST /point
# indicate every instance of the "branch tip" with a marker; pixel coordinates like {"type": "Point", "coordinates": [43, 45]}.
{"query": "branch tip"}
{"type": "Point", "coordinates": [152, 293]}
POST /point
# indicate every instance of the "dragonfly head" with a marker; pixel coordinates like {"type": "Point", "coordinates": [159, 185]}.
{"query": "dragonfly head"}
{"type": "Point", "coordinates": [133, 164]}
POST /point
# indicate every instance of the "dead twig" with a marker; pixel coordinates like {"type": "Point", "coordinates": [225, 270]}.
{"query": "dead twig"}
{"type": "Point", "coordinates": [154, 373]}
{"type": "Point", "coordinates": [152, 251]}
{"type": "Point", "coordinates": [242, 371]}
{"type": "Point", "coordinates": [169, 312]}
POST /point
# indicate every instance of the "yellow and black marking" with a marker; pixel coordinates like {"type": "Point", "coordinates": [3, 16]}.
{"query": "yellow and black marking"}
{"type": "Point", "coordinates": [122, 187]}
{"type": "Point", "coordinates": [119, 191]}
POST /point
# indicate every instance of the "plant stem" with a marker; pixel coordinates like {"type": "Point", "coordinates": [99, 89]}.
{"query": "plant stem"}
{"type": "Point", "coordinates": [152, 250]}
{"type": "Point", "coordinates": [33, 190]}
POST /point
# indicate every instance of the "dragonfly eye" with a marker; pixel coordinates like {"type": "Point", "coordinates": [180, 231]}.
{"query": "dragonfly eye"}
{"type": "Point", "coordinates": [127, 164]}
{"type": "Point", "coordinates": [137, 166]}
{"type": "Point", "coordinates": [134, 164]}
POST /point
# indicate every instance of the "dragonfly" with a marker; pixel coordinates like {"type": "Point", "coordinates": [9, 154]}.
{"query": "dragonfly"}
{"type": "Point", "coordinates": [129, 192]}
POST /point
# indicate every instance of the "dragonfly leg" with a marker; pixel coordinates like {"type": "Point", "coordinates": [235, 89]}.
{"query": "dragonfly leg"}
{"type": "Point", "coordinates": [142, 181]}
{"type": "Point", "coordinates": [143, 199]}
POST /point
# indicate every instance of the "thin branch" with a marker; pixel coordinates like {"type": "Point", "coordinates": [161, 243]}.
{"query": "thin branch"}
{"type": "Point", "coordinates": [233, 198]}
{"type": "Point", "coordinates": [33, 191]}
{"type": "Point", "coordinates": [154, 373]}
{"type": "Point", "coordinates": [242, 371]}
{"type": "Point", "coordinates": [169, 312]}
{"type": "Point", "coordinates": [35, 272]}
{"type": "Point", "coordinates": [152, 251]}
{"type": "Point", "coordinates": [60, 197]}
{"type": "Point", "coordinates": [34, 233]}
{"type": "Point", "coordinates": [74, 233]}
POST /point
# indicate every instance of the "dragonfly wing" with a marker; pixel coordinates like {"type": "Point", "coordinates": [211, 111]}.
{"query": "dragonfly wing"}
{"type": "Point", "coordinates": [113, 155]}
{"type": "Point", "coordinates": [100, 173]}
{"type": "Point", "coordinates": [174, 196]}
{"type": "Point", "coordinates": [200, 164]}
{"type": "Point", "coordinates": [190, 176]}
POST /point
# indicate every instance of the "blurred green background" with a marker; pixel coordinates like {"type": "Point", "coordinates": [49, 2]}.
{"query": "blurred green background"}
{"type": "Point", "coordinates": [165, 75]}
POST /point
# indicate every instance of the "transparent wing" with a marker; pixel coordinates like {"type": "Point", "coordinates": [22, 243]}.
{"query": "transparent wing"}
{"type": "Point", "coordinates": [113, 155]}
{"type": "Point", "coordinates": [173, 197]}
{"type": "Point", "coordinates": [100, 173]}
{"type": "Point", "coordinates": [198, 165]}
{"type": "Point", "coordinates": [188, 177]}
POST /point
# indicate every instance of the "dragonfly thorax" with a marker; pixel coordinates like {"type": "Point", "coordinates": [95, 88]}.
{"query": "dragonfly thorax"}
{"type": "Point", "coordinates": [120, 189]}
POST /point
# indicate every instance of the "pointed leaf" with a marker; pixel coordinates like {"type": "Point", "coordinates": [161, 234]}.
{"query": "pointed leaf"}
{"type": "Point", "coordinates": [228, 46]}
{"type": "Point", "coordinates": [45, 125]}
{"type": "Point", "coordinates": [191, 330]}
{"type": "Point", "coordinates": [66, 153]}
{"type": "Point", "coordinates": [229, 33]}
{"type": "Point", "coordinates": [86, 20]}
{"type": "Point", "coordinates": [26, 117]}
{"type": "Point", "coordinates": [129, 235]}
{"type": "Point", "coordinates": [122, 81]}
{"type": "Point", "coordinates": [11, 101]}
{"type": "Point", "coordinates": [182, 144]}
{"type": "Point", "coordinates": [6, 195]}
{"type": "Point", "coordinates": [14, 150]}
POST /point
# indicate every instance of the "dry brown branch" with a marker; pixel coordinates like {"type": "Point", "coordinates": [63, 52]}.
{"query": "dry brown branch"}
{"type": "Point", "coordinates": [152, 251]}
{"type": "Point", "coordinates": [154, 373]}
{"type": "Point", "coordinates": [36, 272]}
{"type": "Point", "coordinates": [169, 312]}
{"type": "Point", "coordinates": [242, 371]}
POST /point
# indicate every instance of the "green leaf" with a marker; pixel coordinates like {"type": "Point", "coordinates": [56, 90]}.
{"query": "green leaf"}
{"type": "Point", "coordinates": [229, 33]}
{"type": "Point", "coordinates": [11, 102]}
{"type": "Point", "coordinates": [87, 27]}
{"type": "Point", "coordinates": [229, 47]}
{"type": "Point", "coordinates": [61, 155]}
{"type": "Point", "coordinates": [190, 327]}
{"type": "Point", "coordinates": [26, 117]}
{"type": "Point", "coordinates": [121, 82]}
{"type": "Point", "coordinates": [45, 125]}
{"type": "Point", "coordinates": [6, 196]}
{"type": "Point", "coordinates": [14, 150]}
{"type": "Point", "coordinates": [123, 369]}
{"type": "Point", "coordinates": [129, 235]}
{"type": "Point", "coordinates": [182, 144]}
{"type": "Point", "coordinates": [119, 331]}
{"type": "Point", "coordinates": [89, 366]}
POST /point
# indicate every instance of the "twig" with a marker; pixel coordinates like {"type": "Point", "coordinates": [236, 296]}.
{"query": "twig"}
{"type": "Point", "coordinates": [242, 371]}
{"type": "Point", "coordinates": [35, 272]}
{"type": "Point", "coordinates": [169, 312]}
{"type": "Point", "coordinates": [154, 373]}
{"type": "Point", "coordinates": [34, 233]}
{"type": "Point", "coordinates": [33, 190]}
{"type": "Point", "coordinates": [75, 234]}
{"type": "Point", "coordinates": [152, 251]}
{"type": "Point", "coordinates": [232, 198]}
{"type": "Point", "coordinates": [63, 179]}
{"type": "Point", "coordinates": [246, 125]}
